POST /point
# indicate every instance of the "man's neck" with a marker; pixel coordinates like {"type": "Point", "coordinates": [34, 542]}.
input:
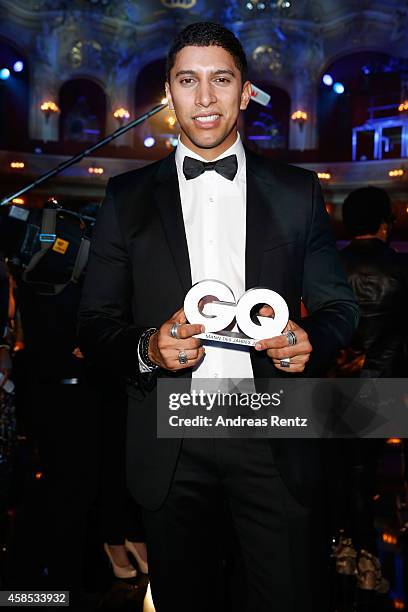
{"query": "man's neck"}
{"type": "Point", "coordinates": [214, 152]}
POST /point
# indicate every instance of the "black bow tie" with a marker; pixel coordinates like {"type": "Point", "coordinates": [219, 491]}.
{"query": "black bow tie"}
{"type": "Point", "coordinates": [227, 167]}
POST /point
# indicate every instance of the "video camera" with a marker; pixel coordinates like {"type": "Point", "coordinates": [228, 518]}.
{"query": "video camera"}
{"type": "Point", "coordinates": [47, 248]}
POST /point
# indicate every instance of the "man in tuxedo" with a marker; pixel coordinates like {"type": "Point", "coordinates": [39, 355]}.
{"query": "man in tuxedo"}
{"type": "Point", "coordinates": [215, 210]}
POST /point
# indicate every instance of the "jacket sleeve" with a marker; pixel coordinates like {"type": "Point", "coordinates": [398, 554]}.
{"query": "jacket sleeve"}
{"type": "Point", "coordinates": [327, 295]}
{"type": "Point", "coordinates": [107, 337]}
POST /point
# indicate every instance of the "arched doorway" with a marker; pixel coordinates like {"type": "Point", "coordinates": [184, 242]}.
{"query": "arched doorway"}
{"type": "Point", "coordinates": [161, 130]}
{"type": "Point", "coordinates": [83, 111]}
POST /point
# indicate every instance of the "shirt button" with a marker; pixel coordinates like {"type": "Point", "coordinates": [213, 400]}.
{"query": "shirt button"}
{"type": "Point", "coordinates": [211, 199]}
{"type": "Point", "coordinates": [215, 374]}
{"type": "Point", "coordinates": [211, 242]}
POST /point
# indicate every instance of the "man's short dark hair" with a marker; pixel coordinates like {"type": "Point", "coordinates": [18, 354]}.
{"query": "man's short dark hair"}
{"type": "Point", "coordinates": [207, 34]}
{"type": "Point", "coordinates": [365, 209]}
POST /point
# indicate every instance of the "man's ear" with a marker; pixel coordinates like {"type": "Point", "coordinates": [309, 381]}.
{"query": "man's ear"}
{"type": "Point", "coordinates": [245, 95]}
{"type": "Point", "coordinates": [168, 95]}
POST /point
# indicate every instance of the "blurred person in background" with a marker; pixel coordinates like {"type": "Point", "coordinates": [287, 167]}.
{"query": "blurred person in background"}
{"type": "Point", "coordinates": [378, 276]}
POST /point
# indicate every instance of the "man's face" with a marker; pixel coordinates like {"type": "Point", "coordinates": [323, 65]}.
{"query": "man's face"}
{"type": "Point", "coordinates": [206, 93]}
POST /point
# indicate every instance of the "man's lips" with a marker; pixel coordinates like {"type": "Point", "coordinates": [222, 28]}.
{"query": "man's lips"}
{"type": "Point", "coordinates": [207, 120]}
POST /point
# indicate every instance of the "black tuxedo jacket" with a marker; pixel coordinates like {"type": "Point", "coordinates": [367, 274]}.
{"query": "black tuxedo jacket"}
{"type": "Point", "coordinates": [139, 273]}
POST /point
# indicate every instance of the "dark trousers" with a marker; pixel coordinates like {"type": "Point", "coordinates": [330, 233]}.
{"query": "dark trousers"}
{"type": "Point", "coordinates": [230, 490]}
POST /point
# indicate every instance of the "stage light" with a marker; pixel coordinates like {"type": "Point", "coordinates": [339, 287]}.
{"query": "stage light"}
{"type": "Point", "coordinates": [403, 106]}
{"type": "Point", "coordinates": [164, 101]}
{"type": "Point", "coordinates": [4, 74]}
{"type": "Point", "coordinates": [18, 66]}
{"type": "Point", "coordinates": [93, 170]}
{"type": "Point", "coordinates": [19, 202]}
{"type": "Point", "coordinates": [328, 80]}
{"type": "Point", "coordinates": [171, 121]}
{"type": "Point", "coordinates": [365, 70]}
{"type": "Point", "coordinates": [17, 165]}
{"type": "Point", "coordinates": [149, 142]}
{"type": "Point", "coordinates": [338, 88]}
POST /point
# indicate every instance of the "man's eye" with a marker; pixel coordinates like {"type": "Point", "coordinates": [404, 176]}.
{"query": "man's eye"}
{"type": "Point", "coordinates": [222, 80]}
{"type": "Point", "coordinates": [186, 81]}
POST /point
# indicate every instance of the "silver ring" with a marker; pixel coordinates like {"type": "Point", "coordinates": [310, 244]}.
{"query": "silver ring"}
{"type": "Point", "coordinates": [285, 363]}
{"type": "Point", "coordinates": [174, 330]}
{"type": "Point", "coordinates": [182, 357]}
{"type": "Point", "coordinates": [291, 336]}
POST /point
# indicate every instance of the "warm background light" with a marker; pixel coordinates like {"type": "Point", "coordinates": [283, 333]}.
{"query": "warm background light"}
{"type": "Point", "coordinates": [299, 115]}
{"type": "Point", "coordinates": [396, 172]}
{"type": "Point", "coordinates": [49, 107]}
{"type": "Point", "coordinates": [121, 113]}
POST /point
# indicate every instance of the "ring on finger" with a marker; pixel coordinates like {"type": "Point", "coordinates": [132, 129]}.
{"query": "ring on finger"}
{"type": "Point", "coordinates": [174, 330]}
{"type": "Point", "coordinates": [291, 336]}
{"type": "Point", "coordinates": [285, 363]}
{"type": "Point", "coordinates": [182, 357]}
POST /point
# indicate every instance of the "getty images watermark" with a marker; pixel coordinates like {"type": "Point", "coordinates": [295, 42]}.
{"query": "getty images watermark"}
{"type": "Point", "coordinates": [207, 401]}
{"type": "Point", "coordinates": [282, 408]}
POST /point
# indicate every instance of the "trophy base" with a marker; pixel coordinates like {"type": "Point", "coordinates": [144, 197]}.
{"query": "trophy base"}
{"type": "Point", "coordinates": [227, 337]}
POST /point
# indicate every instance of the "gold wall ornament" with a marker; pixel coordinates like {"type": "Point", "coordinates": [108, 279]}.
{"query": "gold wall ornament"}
{"type": "Point", "coordinates": [82, 50]}
{"type": "Point", "coordinates": [184, 4]}
{"type": "Point", "coordinates": [265, 58]}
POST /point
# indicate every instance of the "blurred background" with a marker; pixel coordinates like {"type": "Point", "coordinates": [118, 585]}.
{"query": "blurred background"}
{"type": "Point", "coordinates": [73, 71]}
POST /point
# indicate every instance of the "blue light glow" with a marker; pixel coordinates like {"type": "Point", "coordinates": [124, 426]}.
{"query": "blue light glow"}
{"type": "Point", "coordinates": [149, 142]}
{"type": "Point", "coordinates": [18, 66]}
{"type": "Point", "coordinates": [338, 88]}
{"type": "Point", "coordinates": [328, 80]}
{"type": "Point", "coordinates": [4, 74]}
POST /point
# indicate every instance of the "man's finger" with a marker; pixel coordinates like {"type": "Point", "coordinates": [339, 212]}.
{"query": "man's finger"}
{"type": "Point", "coordinates": [188, 329]}
{"type": "Point", "coordinates": [266, 311]}
{"type": "Point", "coordinates": [179, 316]}
{"type": "Point", "coordinates": [289, 351]}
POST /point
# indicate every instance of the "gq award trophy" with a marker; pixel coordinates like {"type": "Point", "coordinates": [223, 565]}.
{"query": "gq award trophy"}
{"type": "Point", "coordinates": [216, 315]}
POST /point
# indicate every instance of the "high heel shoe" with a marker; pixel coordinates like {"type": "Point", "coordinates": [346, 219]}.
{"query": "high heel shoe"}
{"type": "Point", "coordinates": [143, 566]}
{"type": "Point", "coordinates": [369, 576]}
{"type": "Point", "coordinates": [128, 571]}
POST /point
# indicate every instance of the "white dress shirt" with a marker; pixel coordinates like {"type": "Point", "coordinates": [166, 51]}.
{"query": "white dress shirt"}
{"type": "Point", "coordinates": [214, 213]}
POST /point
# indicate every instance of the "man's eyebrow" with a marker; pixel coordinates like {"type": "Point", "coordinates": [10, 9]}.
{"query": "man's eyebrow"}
{"type": "Point", "coordinates": [215, 72]}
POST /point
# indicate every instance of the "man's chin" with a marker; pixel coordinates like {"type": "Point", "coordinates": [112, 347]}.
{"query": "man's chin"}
{"type": "Point", "coordinates": [208, 141]}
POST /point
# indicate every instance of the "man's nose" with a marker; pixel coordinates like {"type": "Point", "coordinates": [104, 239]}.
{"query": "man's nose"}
{"type": "Point", "coordinates": [205, 95]}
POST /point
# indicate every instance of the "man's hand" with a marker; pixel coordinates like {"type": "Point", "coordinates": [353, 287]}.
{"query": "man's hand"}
{"type": "Point", "coordinates": [277, 348]}
{"type": "Point", "coordinates": [164, 350]}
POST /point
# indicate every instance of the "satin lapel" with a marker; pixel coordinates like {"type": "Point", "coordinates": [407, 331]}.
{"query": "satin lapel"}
{"type": "Point", "coordinates": [167, 198]}
{"type": "Point", "coordinates": [257, 222]}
